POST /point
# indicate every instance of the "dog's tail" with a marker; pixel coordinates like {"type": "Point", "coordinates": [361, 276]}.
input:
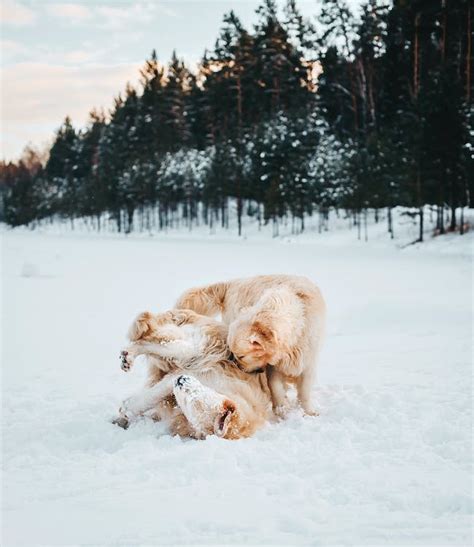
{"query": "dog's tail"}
{"type": "Point", "coordinates": [207, 300]}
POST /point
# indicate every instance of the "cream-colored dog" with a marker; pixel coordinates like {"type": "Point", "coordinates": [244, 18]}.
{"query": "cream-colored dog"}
{"type": "Point", "coordinates": [193, 384]}
{"type": "Point", "coordinates": [276, 322]}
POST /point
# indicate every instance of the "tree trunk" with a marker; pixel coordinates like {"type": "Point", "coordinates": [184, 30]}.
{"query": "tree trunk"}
{"type": "Point", "coordinates": [416, 68]}
{"type": "Point", "coordinates": [441, 219]}
{"type": "Point", "coordinates": [421, 213]}
{"type": "Point", "coordinates": [452, 225]}
{"type": "Point", "coordinates": [129, 219]}
{"type": "Point", "coordinates": [239, 212]}
{"type": "Point", "coordinates": [468, 54]}
{"type": "Point", "coordinates": [390, 223]}
{"type": "Point", "coordinates": [275, 227]}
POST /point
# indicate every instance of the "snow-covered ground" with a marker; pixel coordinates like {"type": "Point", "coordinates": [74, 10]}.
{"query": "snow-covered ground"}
{"type": "Point", "coordinates": [387, 462]}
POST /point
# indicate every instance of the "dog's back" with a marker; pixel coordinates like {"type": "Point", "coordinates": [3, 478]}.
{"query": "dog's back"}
{"type": "Point", "coordinates": [229, 298]}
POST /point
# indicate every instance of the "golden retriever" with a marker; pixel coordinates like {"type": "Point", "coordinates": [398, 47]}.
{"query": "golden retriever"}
{"type": "Point", "coordinates": [276, 322]}
{"type": "Point", "coordinates": [193, 384]}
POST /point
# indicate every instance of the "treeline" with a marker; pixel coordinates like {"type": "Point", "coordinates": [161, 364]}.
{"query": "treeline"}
{"type": "Point", "coordinates": [347, 111]}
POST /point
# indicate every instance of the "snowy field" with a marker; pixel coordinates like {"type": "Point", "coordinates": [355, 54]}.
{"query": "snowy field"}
{"type": "Point", "coordinates": [387, 462]}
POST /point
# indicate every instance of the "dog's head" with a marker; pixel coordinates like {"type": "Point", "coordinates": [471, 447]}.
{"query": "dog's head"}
{"type": "Point", "coordinates": [253, 342]}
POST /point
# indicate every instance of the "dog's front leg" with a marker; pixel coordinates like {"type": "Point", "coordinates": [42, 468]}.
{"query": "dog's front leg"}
{"type": "Point", "coordinates": [128, 356]}
{"type": "Point", "coordinates": [180, 350]}
{"type": "Point", "coordinates": [277, 387]}
{"type": "Point", "coordinates": [164, 348]}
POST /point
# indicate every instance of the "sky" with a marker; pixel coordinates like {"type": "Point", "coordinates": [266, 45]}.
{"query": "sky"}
{"type": "Point", "coordinates": [64, 58]}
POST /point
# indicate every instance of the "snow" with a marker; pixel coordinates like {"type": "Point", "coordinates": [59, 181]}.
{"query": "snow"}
{"type": "Point", "coordinates": [387, 462]}
{"type": "Point", "coordinates": [29, 270]}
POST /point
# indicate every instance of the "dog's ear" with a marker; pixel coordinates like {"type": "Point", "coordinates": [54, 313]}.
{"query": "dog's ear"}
{"type": "Point", "coordinates": [256, 341]}
{"type": "Point", "coordinates": [224, 419]}
{"type": "Point", "coordinates": [143, 325]}
{"type": "Point", "coordinates": [261, 334]}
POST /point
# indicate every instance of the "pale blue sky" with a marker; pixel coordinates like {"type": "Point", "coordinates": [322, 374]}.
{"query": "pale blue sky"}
{"type": "Point", "coordinates": [62, 58]}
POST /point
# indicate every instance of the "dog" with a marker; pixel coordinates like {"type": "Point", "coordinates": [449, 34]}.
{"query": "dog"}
{"type": "Point", "coordinates": [276, 322]}
{"type": "Point", "coordinates": [193, 384]}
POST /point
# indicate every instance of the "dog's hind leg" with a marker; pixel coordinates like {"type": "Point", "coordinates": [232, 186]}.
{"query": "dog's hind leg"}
{"type": "Point", "coordinates": [207, 411]}
{"type": "Point", "coordinates": [304, 385]}
{"type": "Point", "coordinates": [307, 379]}
{"type": "Point", "coordinates": [144, 401]}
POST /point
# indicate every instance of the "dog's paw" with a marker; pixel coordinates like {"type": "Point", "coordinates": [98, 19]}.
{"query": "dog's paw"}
{"type": "Point", "coordinates": [309, 410]}
{"type": "Point", "coordinates": [281, 411]}
{"type": "Point", "coordinates": [184, 382]}
{"type": "Point", "coordinates": [125, 416]}
{"type": "Point", "coordinates": [122, 421]}
{"type": "Point", "coordinates": [126, 360]}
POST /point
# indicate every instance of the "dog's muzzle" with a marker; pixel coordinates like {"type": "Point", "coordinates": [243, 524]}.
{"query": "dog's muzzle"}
{"type": "Point", "coordinates": [234, 359]}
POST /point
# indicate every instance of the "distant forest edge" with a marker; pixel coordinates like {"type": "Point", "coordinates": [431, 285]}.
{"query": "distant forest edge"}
{"type": "Point", "coordinates": [349, 111]}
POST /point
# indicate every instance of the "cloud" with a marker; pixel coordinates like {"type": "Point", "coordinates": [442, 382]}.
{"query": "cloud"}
{"type": "Point", "coordinates": [70, 11]}
{"type": "Point", "coordinates": [16, 14]}
{"type": "Point", "coordinates": [112, 15]}
{"type": "Point", "coordinates": [11, 47]}
{"type": "Point", "coordinates": [79, 56]}
{"type": "Point", "coordinates": [108, 15]}
{"type": "Point", "coordinates": [85, 52]}
{"type": "Point", "coordinates": [59, 90]}
{"type": "Point", "coordinates": [116, 17]}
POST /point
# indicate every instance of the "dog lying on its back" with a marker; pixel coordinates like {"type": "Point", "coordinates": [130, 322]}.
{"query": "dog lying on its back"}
{"type": "Point", "coordinates": [193, 385]}
{"type": "Point", "coordinates": [276, 323]}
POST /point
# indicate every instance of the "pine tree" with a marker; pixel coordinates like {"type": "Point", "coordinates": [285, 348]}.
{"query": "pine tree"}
{"type": "Point", "coordinates": [62, 170]}
{"type": "Point", "coordinates": [91, 194]}
{"type": "Point", "coordinates": [282, 77]}
{"type": "Point", "coordinates": [175, 129]}
{"type": "Point", "coordinates": [150, 117]}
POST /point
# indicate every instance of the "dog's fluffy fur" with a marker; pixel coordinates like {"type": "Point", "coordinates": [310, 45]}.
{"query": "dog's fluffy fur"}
{"type": "Point", "coordinates": [275, 322]}
{"type": "Point", "coordinates": [193, 385]}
